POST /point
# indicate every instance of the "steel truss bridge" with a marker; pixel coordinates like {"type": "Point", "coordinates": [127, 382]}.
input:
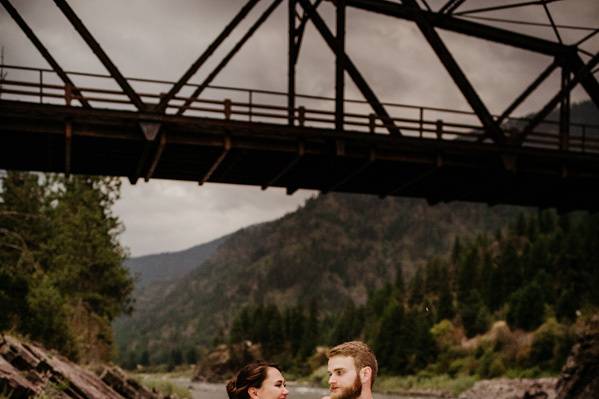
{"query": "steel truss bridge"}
{"type": "Point", "coordinates": [287, 139]}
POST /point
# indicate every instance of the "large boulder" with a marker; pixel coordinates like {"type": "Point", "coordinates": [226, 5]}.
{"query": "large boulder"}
{"type": "Point", "coordinates": [580, 375]}
{"type": "Point", "coordinates": [504, 388]}
{"type": "Point", "coordinates": [225, 360]}
{"type": "Point", "coordinates": [28, 370]}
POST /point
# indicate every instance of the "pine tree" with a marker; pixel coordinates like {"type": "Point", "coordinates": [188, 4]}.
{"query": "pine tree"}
{"type": "Point", "coordinates": [60, 261]}
{"type": "Point", "coordinates": [445, 308]}
{"type": "Point", "coordinates": [526, 307]}
{"type": "Point", "coordinates": [417, 288]}
{"type": "Point", "coordinates": [473, 314]}
{"type": "Point", "coordinates": [468, 272]}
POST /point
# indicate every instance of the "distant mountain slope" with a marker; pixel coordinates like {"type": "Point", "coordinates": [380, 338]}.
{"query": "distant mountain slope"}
{"type": "Point", "coordinates": [332, 250]}
{"type": "Point", "coordinates": [170, 265]}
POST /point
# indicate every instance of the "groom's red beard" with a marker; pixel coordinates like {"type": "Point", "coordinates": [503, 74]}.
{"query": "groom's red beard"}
{"type": "Point", "coordinates": [352, 392]}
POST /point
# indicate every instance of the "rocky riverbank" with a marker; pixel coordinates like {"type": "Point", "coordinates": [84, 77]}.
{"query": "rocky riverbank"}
{"type": "Point", "coordinates": [504, 388]}
{"type": "Point", "coordinates": [27, 370]}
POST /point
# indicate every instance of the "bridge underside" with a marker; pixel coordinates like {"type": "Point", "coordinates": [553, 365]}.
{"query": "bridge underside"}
{"type": "Point", "coordinates": [55, 138]}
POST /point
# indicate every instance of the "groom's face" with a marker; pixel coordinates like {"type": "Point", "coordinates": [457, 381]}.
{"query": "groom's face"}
{"type": "Point", "coordinates": [344, 381]}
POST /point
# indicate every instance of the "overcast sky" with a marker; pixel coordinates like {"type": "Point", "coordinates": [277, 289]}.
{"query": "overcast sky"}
{"type": "Point", "coordinates": [160, 39]}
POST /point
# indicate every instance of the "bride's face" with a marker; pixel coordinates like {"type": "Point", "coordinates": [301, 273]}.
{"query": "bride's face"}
{"type": "Point", "coordinates": [273, 387]}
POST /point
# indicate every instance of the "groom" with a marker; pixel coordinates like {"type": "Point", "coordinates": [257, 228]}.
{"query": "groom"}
{"type": "Point", "coordinates": [352, 371]}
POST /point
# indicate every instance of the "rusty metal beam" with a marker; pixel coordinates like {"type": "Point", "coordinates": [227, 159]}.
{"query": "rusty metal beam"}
{"type": "Point", "coordinates": [340, 65]}
{"type": "Point", "coordinates": [230, 55]}
{"type": "Point", "coordinates": [564, 110]}
{"type": "Point", "coordinates": [161, 106]}
{"type": "Point", "coordinates": [450, 6]}
{"type": "Point", "coordinates": [505, 6]}
{"type": "Point", "coordinates": [291, 62]}
{"type": "Point", "coordinates": [459, 25]}
{"type": "Point", "coordinates": [150, 131]}
{"type": "Point", "coordinates": [588, 81]}
{"type": "Point", "coordinates": [68, 139]}
{"type": "Point", "coordinates": [217, 161]}
{"type": "Point", "coordinates": [405, 185]}
{"type": "Point", "coordinates": [296, 35]}
{"type": "Point", "coordinates": [351, 69]}
{"type": "Point", "coordinates": [301, 150]}
{"type": "Point", "coordinates": [492, 128]}
{"type": "Point", "coordinates": [352, 174]}
{"type": "Point", "coordinates": [565, 91]}
{"type": "Point", "coordinates": [102, 56]}
{"type": "Point", "coordinates": [43, 51]}
{"type": "Point", "coordinates": [302, 27]}
{"type": "Point", "coordinates": [156, 157]}
{"type": "Point", "coordinates": [532, 87]}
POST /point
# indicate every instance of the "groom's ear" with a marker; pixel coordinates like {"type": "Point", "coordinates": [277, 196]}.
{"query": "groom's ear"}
{"type": "Point", "coordinates": [365, 374]}
{"type": "Point", "coordinates": [253, 392]}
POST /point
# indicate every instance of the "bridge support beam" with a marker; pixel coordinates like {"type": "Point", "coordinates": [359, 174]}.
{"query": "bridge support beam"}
{"type": "Point", "coordinates": [580, 75]}
{"type": "Point", "coordinates": [351, 69]}
{"type": "Point", "coordinates": [68, 138]}
{"type": "Point", "coordinates": [150, 132]}
{"type": "Point", "coordinates": [340, 65]}
{"type": "Point", "coordinates": [102, 56]}
{"type": "Point", "coordinates": [156, 157]}
{"type": "Point", "coordinates": [527, 92]}
{"type": "Point", "coordinates": [354, 173]}
{"type": "Point", "coordinates": [492, 129]}
{"type": "Point", "coordinates": [229, 56]}
{"type": "Point", "coordinates": [161, 106]}
{"type": "Point", "coordinates": [43, 51]}
{"type": "Point", "coordinates": [564, 110]}
{"type": "Point", "coordinates": [301, 150]}
{"type": "Point", "coordinates": [217, 161]}
{"type": "Point", "coordinates": [292, 61]}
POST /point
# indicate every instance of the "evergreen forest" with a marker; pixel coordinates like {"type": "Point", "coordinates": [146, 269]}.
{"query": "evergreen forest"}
{"type": "Point", "coordinates": [513, 297]}
{"type": "Point", "coordinates": [62, 279]}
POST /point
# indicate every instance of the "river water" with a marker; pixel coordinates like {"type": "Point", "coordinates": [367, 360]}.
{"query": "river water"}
{"type": "Point", "coordinates": [201, 390]}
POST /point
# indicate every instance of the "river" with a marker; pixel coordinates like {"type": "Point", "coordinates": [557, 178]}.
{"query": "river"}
{"type": "Point", "coordinates": [201, 390]}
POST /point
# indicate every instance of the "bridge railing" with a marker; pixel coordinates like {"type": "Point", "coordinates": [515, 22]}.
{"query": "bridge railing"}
{"type": "Point", "coordinates": [267, 106]}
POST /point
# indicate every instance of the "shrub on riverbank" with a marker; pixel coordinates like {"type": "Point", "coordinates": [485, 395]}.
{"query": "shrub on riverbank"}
{"type": "Point", "coordinates": [161, 383]}
{"type": "Point", "coordinates": [424, 381]}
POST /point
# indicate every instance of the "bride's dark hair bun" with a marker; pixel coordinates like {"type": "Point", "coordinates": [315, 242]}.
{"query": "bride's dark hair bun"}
{"type": "Point", "coordinates": [251, 375]}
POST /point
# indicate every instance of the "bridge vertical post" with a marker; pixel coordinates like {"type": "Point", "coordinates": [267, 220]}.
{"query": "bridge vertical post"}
{"type": "Point", "coordinates": [439, 129]}
{"type": "Point", "coordinates": [227, 104]}
{"type": "Point", "coordinates": [301, 116]}
{"type": "Point", "coordinates": [41, 86]}
{"type": "Point", "coordinates": [371, 122]}
{"type": "Point", "coordinates": [421, 121]}
{"type": "Point", "coordinates": [340, 65]}
{"type": "Point", "coordinates": [291, 64]}
{"type": "Point", "coordinates": [250, 99]}
{"type": "Point", "coordinates": [68, 94]}
{"type": "Point", "coordinates": [564, 110]}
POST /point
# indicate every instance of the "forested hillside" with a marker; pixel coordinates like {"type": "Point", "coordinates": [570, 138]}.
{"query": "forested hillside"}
{"type": "Point", "coordinates": [539, 274]}
{"type": "Point", "coordinates": [332, 252]}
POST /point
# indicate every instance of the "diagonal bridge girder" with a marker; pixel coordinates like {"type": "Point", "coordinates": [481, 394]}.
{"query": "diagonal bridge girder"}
{"type": "Point", "coordinates": [100, 53]}
{"type": "Point", "coordinates": [482, 31]}
{"type": "Point", "coordinates": [351, 69]}
{"type": "Point", "coordinates": [43, 51]}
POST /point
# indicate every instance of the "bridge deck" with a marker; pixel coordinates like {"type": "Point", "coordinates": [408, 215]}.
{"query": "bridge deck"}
{"type": "Point", "coordinates": [111, 142]}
